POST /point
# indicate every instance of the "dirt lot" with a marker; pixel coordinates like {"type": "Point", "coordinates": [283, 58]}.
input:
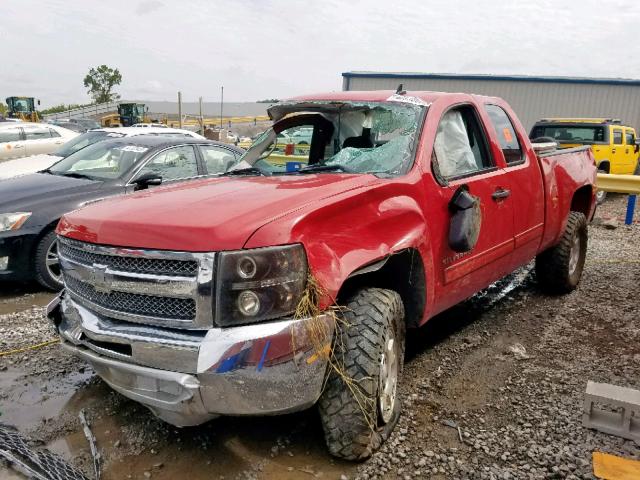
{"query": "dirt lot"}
{"type": "Point", "coordinates": [508, 367]}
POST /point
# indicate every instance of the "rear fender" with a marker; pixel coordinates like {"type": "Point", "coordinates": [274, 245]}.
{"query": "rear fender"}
{"type": "Point", "coordinates": [563, 177]}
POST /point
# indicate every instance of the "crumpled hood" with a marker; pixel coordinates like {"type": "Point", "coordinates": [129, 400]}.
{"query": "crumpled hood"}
{"type": "Point", "coordinates": [203, 215]}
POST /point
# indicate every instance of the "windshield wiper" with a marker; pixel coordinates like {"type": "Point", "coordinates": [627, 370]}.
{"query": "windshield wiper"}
{"type": "Point", "coordinates": [75, 175]}
{"type": "Point", "coordinates": [323, 168]}
{"type": "Point", "coordinates": [243, 171]}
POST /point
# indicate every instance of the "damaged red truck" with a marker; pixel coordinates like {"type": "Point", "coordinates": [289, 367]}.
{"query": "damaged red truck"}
{"type": "Point", "coordinates": [187, 298]}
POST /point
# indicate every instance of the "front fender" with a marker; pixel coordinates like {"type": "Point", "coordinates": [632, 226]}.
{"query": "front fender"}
{"type": "Point", "coordinates": [356, 228]}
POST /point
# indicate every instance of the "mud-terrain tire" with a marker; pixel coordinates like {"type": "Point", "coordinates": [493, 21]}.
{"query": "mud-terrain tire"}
{"type": "Point", "coordinates": [47, 273]}
{"type": "Point", "coordinates": [357, 416]}
{"type": "Point", "coordinates": [637, 170]}
{"type": "Point", "coordinates": [559, 268]}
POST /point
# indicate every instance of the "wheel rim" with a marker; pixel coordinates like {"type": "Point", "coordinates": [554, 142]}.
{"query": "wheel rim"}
{"type": "Point", "coordinates": [388, 377]}
{"type": "Point", "coordinates": [53, 262]}
{"type": "Point", "coordinates": [574, 256]}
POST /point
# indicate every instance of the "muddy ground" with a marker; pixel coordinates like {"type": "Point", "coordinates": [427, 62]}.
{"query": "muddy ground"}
{"type": "Point", "coordinates": [492, 388]}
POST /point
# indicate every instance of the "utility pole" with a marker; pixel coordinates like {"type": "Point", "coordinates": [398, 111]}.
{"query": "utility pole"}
{"type": "Point", "coordinates": [180, 109]}
{"type": "Point", "coordinates": [201, 119]}
{"type": "Point", "coordinates": [221, 104]}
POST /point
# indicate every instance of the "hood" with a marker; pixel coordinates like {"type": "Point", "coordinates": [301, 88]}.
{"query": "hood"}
{"type": "Point", "coordinates": [38, 190]}
{"type": "Point", "coordinates": [22, 166]}
{"type": "Point", "coordinates": [204, 215]}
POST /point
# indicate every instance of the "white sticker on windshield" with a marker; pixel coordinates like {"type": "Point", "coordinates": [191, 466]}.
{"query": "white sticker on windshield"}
{"type": "Point", "coordinates": [407, 99]}
{"type": "Point", "coordinates": [133, 148]}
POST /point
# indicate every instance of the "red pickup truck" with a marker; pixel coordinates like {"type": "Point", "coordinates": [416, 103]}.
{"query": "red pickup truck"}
{"type": "Point", "coordinates": [199, 299]}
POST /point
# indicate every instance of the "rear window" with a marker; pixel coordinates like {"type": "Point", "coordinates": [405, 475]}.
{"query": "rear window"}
{"type": "Point", "coordinates": [581, 134]}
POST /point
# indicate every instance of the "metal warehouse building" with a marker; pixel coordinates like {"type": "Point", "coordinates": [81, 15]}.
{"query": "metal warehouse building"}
{"type": "Point", "coordinates": [531, 97]}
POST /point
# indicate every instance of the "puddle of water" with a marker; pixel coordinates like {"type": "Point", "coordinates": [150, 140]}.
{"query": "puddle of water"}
{"type": "Point", "coordinates": [225, 448]}
{"type": "Point", "coordinates": [16, 301]}
{"type": "Point", "coordinates": [30, 402]}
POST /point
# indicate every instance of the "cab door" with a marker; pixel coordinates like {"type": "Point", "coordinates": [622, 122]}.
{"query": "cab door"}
{"type": "Point", "coordinates": [12, 144]}
{"type": "Point", "coordinates": [528, 189]}
{"type": "Point", "coordinates": [630, 152]}
{"type": "Point", "coordinates": [462, 160]}
{"type": "Point", "coordinates": [618, 156]}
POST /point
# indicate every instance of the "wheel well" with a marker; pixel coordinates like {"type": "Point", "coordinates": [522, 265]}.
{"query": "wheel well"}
{"type": "Point", "coordinates": [605, 166]}
{"type": "Point", "coordinates": [581, 201]}
{"type": "Point", "coordinates": [402, 272]}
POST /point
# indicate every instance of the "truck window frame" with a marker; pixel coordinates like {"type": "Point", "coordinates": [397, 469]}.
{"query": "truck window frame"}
{"type": "Point", "coordinates": [629, 132]}
{"type": "Point", "coordinates": [615, 130]}
{"type": "Point", "coordinates": [435, 165]}
{"type": "Point", "coordinates": [523, 157]}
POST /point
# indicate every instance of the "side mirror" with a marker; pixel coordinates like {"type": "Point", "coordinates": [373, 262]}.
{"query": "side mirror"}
{"type": "Point", "coordinates": [637, 145]}
{"type": "Point", "coordinates": [147, 180]}
{"type": "Point", "coordinates": [466, 218]}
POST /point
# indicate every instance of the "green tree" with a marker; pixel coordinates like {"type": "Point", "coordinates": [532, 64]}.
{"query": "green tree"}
{"type": "Point", "coordinates": [3, 108]}
{"type": "Point", "coordinates": [100, 81]}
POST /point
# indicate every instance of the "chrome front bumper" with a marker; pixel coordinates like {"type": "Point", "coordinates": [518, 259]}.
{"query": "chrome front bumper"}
{"type": "Point", "coordinates": [187, 377]}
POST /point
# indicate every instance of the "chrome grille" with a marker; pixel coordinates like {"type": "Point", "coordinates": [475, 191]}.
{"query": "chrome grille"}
{"type": "Point", "coordinates": [154, 287]}
{"type": "Point", "coordinates": [159, 307]}
{"type": "Point", "coordinates": [155, 266]}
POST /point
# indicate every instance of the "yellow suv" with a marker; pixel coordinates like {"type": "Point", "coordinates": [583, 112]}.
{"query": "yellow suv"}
{"type": "Point", "coordinates": [614, 145]}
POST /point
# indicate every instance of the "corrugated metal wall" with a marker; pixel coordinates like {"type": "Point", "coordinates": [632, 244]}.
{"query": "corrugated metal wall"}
{"type": "Point", "coordinates": [530, 99]}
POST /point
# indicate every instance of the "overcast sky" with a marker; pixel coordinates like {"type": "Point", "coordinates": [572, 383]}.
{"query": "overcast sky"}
{"type": "Point", "coordinates": [277, 48]}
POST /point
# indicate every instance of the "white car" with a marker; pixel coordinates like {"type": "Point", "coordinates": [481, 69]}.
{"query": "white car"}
{"type": "Point", "coordinates": [22, 139]}
{"type": "Point", "coordinates": [36, 163]}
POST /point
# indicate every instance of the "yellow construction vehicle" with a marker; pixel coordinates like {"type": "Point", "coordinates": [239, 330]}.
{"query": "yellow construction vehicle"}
{"type": "Point", "coordinates": [23, 108]}
{"type": "Point", "coordinates": [128, 114]}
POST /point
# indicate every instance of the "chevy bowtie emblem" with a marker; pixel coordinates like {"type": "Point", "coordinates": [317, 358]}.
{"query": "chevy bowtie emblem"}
{"type": "Point", "coordinates": [99, 278]}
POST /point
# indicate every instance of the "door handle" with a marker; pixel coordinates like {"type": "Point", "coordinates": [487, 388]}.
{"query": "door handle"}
{"type": "Point", "coordinates": [613, 150]}
{"type": "Point", "coordinates": [18, 146]}
{"type": "Point", "coordinates": [501, 194]}
{"type": "Point", "coordinates": [626, 150]}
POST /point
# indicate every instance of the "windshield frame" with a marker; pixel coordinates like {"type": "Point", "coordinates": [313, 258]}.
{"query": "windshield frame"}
{"type": "Point", "coordinates": [331, 107]}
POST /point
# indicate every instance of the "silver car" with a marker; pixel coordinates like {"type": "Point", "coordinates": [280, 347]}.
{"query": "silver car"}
{"type": "Point", "coordinates": [22, 139]}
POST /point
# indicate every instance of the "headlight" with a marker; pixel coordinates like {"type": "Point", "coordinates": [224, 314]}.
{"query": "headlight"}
{"type": "Point", "coordinates": [12, 221]}
{"type": "Point", "coordinates": [259, 284]}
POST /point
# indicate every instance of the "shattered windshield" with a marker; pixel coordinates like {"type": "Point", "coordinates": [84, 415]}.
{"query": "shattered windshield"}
{"type": "Point", "coordinates": [346, 137]}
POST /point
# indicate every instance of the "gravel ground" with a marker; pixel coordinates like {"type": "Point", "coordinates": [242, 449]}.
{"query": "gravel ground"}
{"type": "Point", "coordinates": [492, 388]}
{"type": "Point", "coordinates": [513, 380]}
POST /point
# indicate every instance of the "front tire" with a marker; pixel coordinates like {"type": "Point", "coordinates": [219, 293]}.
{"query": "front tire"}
{"type": "Point", "coordinates": [559, 268]}
{"type": "Point", "coordinates": [47, 263]}
{"type": "Point", "coordinates": [360, 406]}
